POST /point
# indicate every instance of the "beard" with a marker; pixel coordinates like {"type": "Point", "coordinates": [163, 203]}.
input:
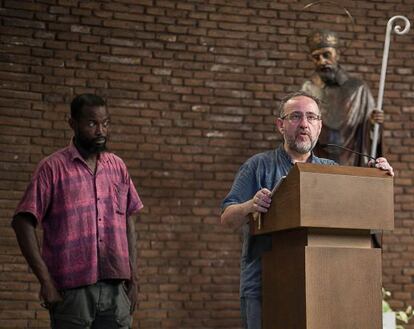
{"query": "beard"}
{"type": "Point", "coordinates": [92, 146]}
{"type": "Point", "coordinates": [301, 146]}
{"type": "Point", "coordinates": [327, 75]}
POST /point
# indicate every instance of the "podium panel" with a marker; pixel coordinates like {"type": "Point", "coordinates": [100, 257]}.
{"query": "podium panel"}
{"type": "Point", "coordinates": [283, 282]}
{"type": "Point", "coordinates": [308, 284]}
{"type": "Point", "coordinates": [323, 271]}
{"type": "Point", "coordinates": [343, 288]}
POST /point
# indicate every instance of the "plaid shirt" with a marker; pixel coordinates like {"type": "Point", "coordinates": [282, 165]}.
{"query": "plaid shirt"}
{"type": "Point", "coordinates": [83, 216]}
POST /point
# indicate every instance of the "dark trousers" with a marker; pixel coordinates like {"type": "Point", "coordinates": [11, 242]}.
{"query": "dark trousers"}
{"type": "Point", "coordinates": [251, 312]}
{"type": "Point", "coordinates": [102, 305]}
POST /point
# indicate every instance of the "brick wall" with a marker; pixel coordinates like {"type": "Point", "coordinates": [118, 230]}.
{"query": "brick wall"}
{"type": "Point", "coordinates": [192, 87]}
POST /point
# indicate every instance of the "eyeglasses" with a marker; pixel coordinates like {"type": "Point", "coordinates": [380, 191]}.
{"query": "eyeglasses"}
{"type": "Point", "coordinates": [298, 116]}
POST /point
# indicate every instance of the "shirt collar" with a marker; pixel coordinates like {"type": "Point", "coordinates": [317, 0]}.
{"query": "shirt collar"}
{"type": "Point", "coordinates": [73, 151]}
{"type": "Point", "coordinates": [286, 157]}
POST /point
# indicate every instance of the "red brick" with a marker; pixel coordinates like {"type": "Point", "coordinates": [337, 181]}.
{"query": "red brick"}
{"type": "Point", "coordinates": [192, 91]}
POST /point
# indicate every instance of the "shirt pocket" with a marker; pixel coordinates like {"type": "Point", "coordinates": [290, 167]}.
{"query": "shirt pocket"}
{"type": "Point", "coordinates": [121, 198]}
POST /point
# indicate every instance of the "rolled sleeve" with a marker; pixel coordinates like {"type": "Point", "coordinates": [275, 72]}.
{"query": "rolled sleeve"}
{"type": "Point", "coordinates": [36, 198]}
{"type": "Point", "coordinates": [243, 188]}
{"type": "Point", "coordinates": [134, 203]}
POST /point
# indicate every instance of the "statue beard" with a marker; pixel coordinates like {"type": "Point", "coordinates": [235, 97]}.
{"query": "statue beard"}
{"type": "Point", "coordinates": [327, 75]}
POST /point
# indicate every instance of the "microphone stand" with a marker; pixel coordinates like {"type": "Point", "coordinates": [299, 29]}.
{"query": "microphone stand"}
{"type": "Point", "coordinates": [322, 145]}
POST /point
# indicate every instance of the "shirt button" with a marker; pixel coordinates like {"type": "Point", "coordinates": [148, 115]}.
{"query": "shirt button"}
{"type": "Point", "coordinates": [100, 219]}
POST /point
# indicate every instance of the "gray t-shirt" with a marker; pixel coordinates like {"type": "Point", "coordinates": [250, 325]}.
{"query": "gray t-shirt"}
{"type": "Point", "coordinates": [263, 170]}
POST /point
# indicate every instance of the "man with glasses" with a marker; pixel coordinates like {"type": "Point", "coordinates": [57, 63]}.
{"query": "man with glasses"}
{"type": "Point", "coordinates": [84, 198]}
{"type": "Point", "coordinates": [300, 124]}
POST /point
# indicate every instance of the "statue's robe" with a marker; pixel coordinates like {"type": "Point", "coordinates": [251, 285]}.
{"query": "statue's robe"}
{"type": "Point", "coordinates": [346, 109]}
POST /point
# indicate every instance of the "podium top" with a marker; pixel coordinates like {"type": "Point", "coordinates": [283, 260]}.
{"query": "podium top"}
{"type": "Point", "coordinates": [325, 196]}
{"type": "Point", "coordinates": [341, 170]}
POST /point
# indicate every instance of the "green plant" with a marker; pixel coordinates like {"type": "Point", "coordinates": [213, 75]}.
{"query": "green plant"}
{"type": "Point", "coordinates": [402, 316]}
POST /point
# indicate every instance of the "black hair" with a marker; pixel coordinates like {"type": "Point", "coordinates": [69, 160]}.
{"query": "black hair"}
{"type": "Point", "coordinates": [82, 101]}
{"type": "Point", "coordinates": [293, 95]}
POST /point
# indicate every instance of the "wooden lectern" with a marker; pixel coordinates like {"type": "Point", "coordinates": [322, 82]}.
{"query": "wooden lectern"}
{"type": "Point", "coordinates": [322, 271]}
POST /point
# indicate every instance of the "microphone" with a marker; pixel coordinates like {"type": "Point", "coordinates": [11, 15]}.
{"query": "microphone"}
{"type": "Point", "coordinates": [323, 145]}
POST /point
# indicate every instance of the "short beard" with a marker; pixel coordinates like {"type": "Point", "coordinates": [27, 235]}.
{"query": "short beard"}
{"type": "Point", "coordinates": [90, 147]}
{"type": "Point", "coordinates": [328, 75]}
{"type": "Point", "coordinates": [98, 149]}
{"type": "Point", "coordinates": [301, 147]}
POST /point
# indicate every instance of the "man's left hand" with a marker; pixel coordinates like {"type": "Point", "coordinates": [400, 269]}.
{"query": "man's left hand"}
{"type": "Point", "coordinates": [132, 292]}
{"type": "Point", "coordinates": [382, 163]}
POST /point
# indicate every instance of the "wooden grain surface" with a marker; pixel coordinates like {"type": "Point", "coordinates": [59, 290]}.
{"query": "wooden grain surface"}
{"type": "Point", "coordinates": [343, 288]}
{"type": "Point", "coordinates": [332, 197]}
{"type": "Point", "coordinates": [311, 282]}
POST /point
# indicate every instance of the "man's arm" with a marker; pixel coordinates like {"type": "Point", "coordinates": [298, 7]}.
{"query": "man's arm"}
{"type": "Point", "coordinates": [132, 285]}
{"type": "Point", "coordinates": [24, 228]}
{"type": "Point", "coordinates": [236, 215]}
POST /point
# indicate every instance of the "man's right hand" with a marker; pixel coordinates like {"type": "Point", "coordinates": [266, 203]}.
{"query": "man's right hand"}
{"type": "Point", "coordinates": [261, 200]}
{"type": "Point", "coordinates": [49, 295]}
{"type": "Point", "coordinates": [24, 227]}
{"type": "Point", "coordinates": [238, 214]}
